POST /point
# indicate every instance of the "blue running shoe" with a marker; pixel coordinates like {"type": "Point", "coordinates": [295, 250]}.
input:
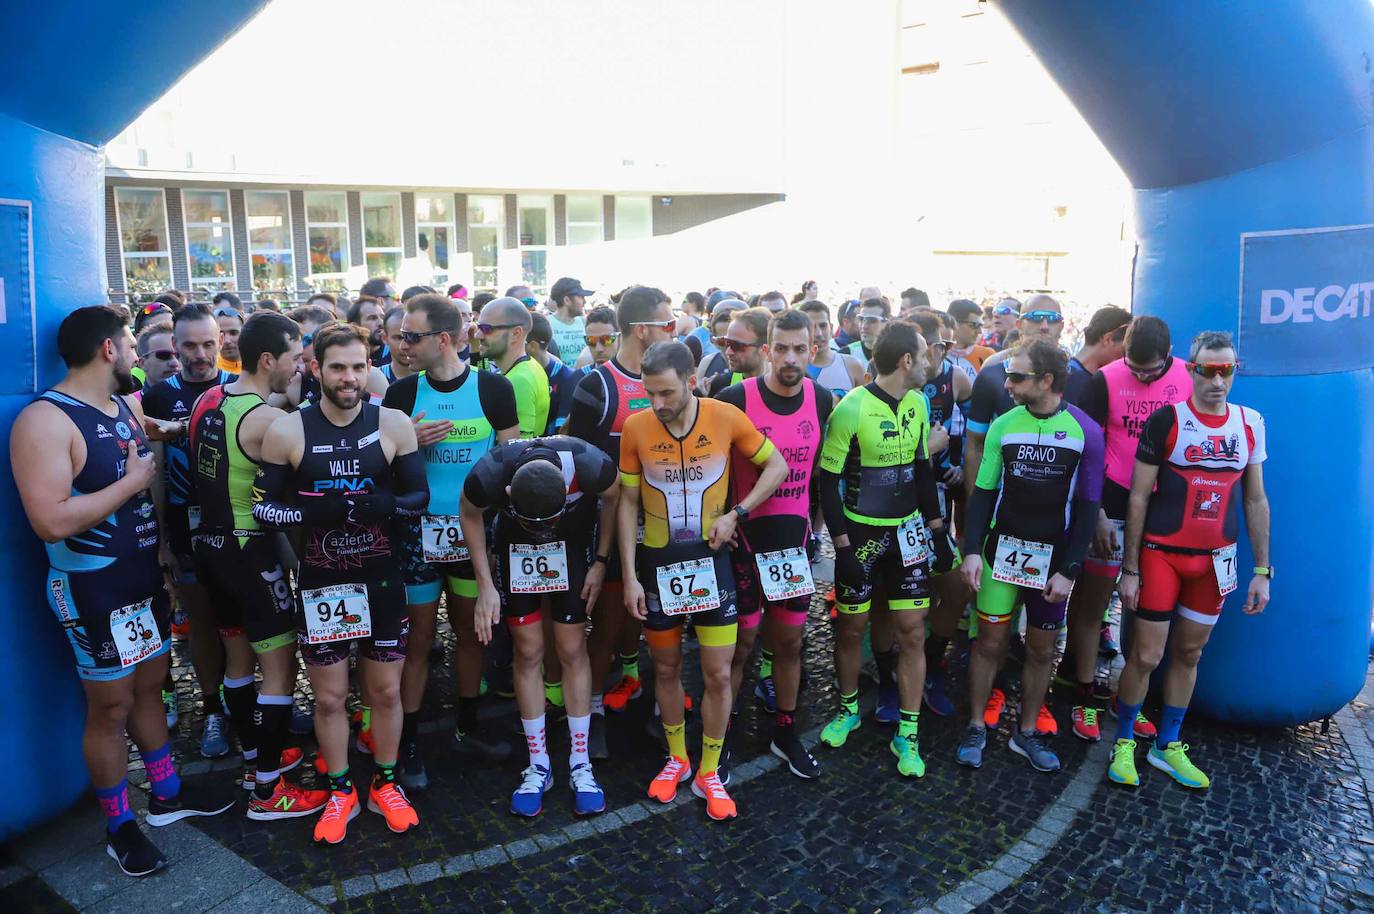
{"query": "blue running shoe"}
{"type": "Point", "coordinates": [765, 692]}
{"type": "Point", "coordinates": [889, 709]}
{"type": "Point", "coordinates": [970, 751]}
{"type": "Point", "coordinates": [935, 698]}
{"type": "Point", "coordinates": [528, 799]}
{"type": "Point", "coordinates": [588, 797]}
{"type": "Point", "coordinates": [213, 742]}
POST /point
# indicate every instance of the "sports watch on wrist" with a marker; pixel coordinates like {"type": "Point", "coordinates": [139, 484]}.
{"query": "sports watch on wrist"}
{"type": "Point", "coordinates": [741, 511]}
{"type": "Point", "coordinates": [1265, 571]}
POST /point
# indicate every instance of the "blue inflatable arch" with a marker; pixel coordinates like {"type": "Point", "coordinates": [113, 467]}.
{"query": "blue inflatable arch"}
{"type": "Point", "coordinates": [1244, 126]}
{"type": "Point", "coordinates": [1245, 129]}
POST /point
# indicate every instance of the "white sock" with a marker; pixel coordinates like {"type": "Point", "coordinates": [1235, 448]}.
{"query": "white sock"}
{"type": "Point", "coordinates": [598, 706]}
{"type": "Point", "coordinates": [536, 740]}
{"type": "Point", "coordinates": [577, 729]}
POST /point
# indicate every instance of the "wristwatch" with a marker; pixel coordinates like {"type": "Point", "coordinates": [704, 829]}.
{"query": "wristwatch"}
{"type": "Point", "coordinates": [741, 511]}
{"type": "Point", "coordinates": [603, 559]}
{"type": "Point", "coordinates": [1265, 571]}
{"type": "Point", "coordinates": [1072, 570]}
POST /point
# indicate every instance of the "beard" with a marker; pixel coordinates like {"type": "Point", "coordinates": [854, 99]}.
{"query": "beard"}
{"type": "Point", "coordinates": [343, 398]}
{"type": "Point", "coordinates": [125, 383]}
{"type": "Point", "coordinates": [790, 377]}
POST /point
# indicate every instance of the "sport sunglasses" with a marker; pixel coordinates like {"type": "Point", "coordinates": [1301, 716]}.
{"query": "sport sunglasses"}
{"type": "Point", "coordinates": [604, 339]}
{"type": "Point", "coordinates": [669, 325]}
{"type": "Point", "coordinates": [1016, 377]}
{"type": "Point", "coordinates": [489, 329]}
{"type": "Point", "coordinates": [1211, 370]}
{"type": "Point", "coordinates": [1004, 310]}
{"type": "Point", "coordinates": [724, 342]}
{"type": "Point", "coordinates": [411, 337]}
{"type": "Point", "coordinates": [1043, 317]}
{"type": "Point", "coordinates": [163, 355]}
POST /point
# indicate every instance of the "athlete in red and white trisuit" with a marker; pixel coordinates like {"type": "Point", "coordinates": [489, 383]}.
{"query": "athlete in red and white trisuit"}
{"type": "Point", "coordinates": [1197, 462]}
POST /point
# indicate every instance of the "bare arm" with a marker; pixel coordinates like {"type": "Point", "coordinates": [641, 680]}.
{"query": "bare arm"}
{"type": "Point", "coordinates": [1142, 484]}
{"type": "Point", "coordinates": [508, 434]}
{"type": "Point", "coordinates": [41, 456]}
{"type": "Point", "coordinates": [1257, 525]}
{"type": "Point", "coordinates": [973, 456]}
{"type": "Point", "coordinates": [606, 527]}
{"type": "Point", "coordinates": [627, 532]}
{"type": "Point", "coordinates": [857, 376]}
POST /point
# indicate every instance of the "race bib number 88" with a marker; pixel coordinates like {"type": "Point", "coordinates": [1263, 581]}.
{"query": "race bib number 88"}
{"type": "Point", "coordinates": [785, 574]}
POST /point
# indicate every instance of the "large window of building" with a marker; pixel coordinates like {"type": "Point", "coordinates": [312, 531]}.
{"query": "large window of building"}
{"type": "Point", "coordinates": [209, 239]}
{"type": "Point", "coordinates": [143, 239]}
{"type": "Point", "coordinates": [434, 231]}
{"type": "Point", "coordinates": [536, 225]}
{"type": "Point", "coordinates": [382, 234]}
{"type": "Point", "coordinates": [584, 218]}
{"type": "Point", "coordinates": [269, 240]}
{"type": "Point", "coordinates": [486, 222]}
{"type": "Point", "coordinates": [326, 227]}
{"type": "Point", "coordinates": [634, 218]}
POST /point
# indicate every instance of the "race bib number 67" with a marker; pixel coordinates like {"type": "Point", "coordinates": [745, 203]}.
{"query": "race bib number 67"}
{"type": "Point", "coordinates": [688, 587]}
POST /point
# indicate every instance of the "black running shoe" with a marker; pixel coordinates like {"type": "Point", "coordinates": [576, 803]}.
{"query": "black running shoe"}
{"type": "Point", "coordinates": [596, 738]}
{"type": "Point", "coordinates": [413, 775]}
{"type": "Point", "coordinates": [481, 745]}
{"type": "Point", "coordinates": [194, 800]}
{"type": "Point", "coordinates": [131, 849]}
{"type": "Point", "coordinates": [788, 746]}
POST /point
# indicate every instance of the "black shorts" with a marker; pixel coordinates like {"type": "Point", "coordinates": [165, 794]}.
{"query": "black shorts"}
{"type": "Point", "coordinates": [91, 605]}
{"type": "Point", "coordinates": [1115, 499]}
{"type": "Point", "coordinates": [880, 554]}
{"type": "Point", "coordinates": [650, 560]}
{"type": "Point", "coordinates": [760, 535]}
{"type": "Point", "coordinates": [176, 526]}
{"type": "Point", "coordinates": [576, 531]}
{"type": "Point", "coordinates": [386, 601]}
{"type": "Point", "coordinates": [249, 591]}
{"type": "Point", "coordinates": [425, 580]}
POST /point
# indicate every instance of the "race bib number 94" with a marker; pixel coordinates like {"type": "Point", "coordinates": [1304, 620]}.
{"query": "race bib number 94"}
{"type": "Point", "coordinates": [135, 632]}
{"type": "Point", "coordinates": [336, 613]}
{"type": "Point", "coordinates": [1024, 563]}
{"type": "Point", "coordinates": [688, 587]}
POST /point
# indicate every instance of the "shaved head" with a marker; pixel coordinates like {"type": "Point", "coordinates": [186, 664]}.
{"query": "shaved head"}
{"type": "Point", "coordinates": [1041, 302]}
{"type": "Point", "coordinates": [507, 311]}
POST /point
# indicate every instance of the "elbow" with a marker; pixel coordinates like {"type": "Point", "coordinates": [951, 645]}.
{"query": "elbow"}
{"type": "Point", "coordinates": [49, 534]}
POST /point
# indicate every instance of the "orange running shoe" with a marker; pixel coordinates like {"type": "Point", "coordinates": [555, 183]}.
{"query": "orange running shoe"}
{"type": "Point", "coordinates": [1045, 724]}
{"type": "Point", "coordinates": [718, 803]}
{"type": "Point", "coordinates": [321, 766]}
{"type": "Point", "coordinates": [626, 690]}
{"type": "Point", "coordinates": [340, 809]}
{"type": "Point", "coordinates": [664, 785]}
{"type": "Point", "coordinates": [992, 712]}
{"type": "Point", "coordinates": [389, 801]}
{"type": "Point", "coordinates": [290, 758]}
{"type": "Point", "coordinates": [288, 801]}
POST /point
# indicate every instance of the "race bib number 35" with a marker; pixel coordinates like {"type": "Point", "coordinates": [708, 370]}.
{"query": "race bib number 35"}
{"type": "Point", "coordinates": [443, 538]}
{"type": "Point", "coordinates": [1024, 563]}
{"type": "Point", "coordinates": [785, 574]}
{"type": "Point", "coordinates": [1224, 563]}
{"type": "Point", "coordinates": [538, 569]}
{"type": "Point", "coordinates": [336, 613]}
{"type": "Point", "coordinates": [135, 632]}
{"type": "Point", "coordinates": [688, 587]}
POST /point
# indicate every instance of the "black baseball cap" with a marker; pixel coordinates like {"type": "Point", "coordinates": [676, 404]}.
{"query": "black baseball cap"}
{"type": "Point", "coordinates": [568, 286]}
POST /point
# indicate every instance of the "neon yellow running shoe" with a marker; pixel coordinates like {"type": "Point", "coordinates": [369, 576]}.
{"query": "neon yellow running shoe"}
{"type": "Point", "coordinates": [1173, 760]}
{"type": "Point", "coordinates": [838, 730]}
{"type": "Point", "coordinates": [908, 752]}
{"type": "Point", "coordinates": [1122, 769]}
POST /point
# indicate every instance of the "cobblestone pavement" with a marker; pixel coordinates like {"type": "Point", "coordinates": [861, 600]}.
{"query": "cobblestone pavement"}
{"type": "Point", "coordinates": [1287, 826]}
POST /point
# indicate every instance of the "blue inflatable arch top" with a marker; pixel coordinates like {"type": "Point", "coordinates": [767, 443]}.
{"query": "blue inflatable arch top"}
{"type": "Point", "coordinates": [1245, 127]}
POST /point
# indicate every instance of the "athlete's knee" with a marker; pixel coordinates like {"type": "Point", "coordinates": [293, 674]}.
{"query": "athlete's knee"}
{"type": "Point", "coordinates": [423, 627]}
{"type": "Point", "coordinates": [1039, 654]}
{"type": "Point", "coordinates": [1147, 654]}
{"type": "Point", "coordinates": [386, 694]}
{"type": "Point", "coordinates": [330, 701]}
{"type": "Point", "coordinates": [529, 652]}
{"type": "Point", "coordinates": [111, 711]}
{"type": "Point", "coordinates": [1186, 654]}
{"type": "Point", "coordinates": [716, 678]}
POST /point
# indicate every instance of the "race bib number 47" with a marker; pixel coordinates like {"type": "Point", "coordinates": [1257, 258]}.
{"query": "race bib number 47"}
{"type": "Point", "coordinates": [135, 632]}
{"type": "Point", "coordinates": [688, 587]}
{"type": "Point", "coordinates": [336, 613]}
{"type": "Point", "coordinates": [1024, 563]}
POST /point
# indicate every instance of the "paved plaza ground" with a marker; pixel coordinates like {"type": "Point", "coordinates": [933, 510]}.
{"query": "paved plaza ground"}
{"type": "Point", "coordinates": [1288, 826]}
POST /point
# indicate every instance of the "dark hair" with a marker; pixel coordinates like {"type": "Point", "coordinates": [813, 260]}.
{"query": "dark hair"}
{"type": "Point", "coordinates": [791, 319]}
{"type": "Point", "coordinates": [268, 304]}
{"type": "Point", "coordinates": [393, 311]}
{"type": "Point", "coordinates": [142, 317]}
{"type": "Point", "coordinates": [1105, 321]}
{"type": "Point", "coordinates": [1047, 358]}
{"type": "Point", "coordinates": [171, 299]}
{"type": "Point", "coordinates": [929, 324]}
{"type": "Point", "coordinates": [337, 333]}
{"type": "Point", "coordinates": [376, 287]}
{"type": "Point", "coordinates": [85, 330]}
{"type": "Point", "coordinates": [602, 315]}
{"type": "Point", "coordinates": [412, 291]}
{"type": "Point", "coordinates": [917, 297]}
{"type": "Point", "coordinates": [228, 298]}
{"type": "Point", "coordinates": [897, 339]}
{"type": "Point", "coordinates": [440, 311]}
{"type": "Point", "coordinates": [355, 310]}
{"type": "Point", "coordinates": [637, 304]}
{"type": "Point", "coordinates": [756, 319]}
{"type": "Point", "coordinates": [481, 299]}
{"type": "Point", "coordinates": [540, 330]}
{"type": "Point", "coordinates": [193, 312]}
{"type": "Point", "coordinates": [326, 296]}
{"type": "Point", "coordinates": [537, 489]}
{"type": "Point", "coordinates": [265, 331]}
{"type": "Point", "coordinates": [1147, 339]}
{"type": "Point", "coordinates": [962, 309]}
{"type": "Point", "coordinates": [456, 287]}
{"type": "Point", "coordinates": [143, 344]}
{"type": "Point", "coordinates": [875, 303]}
{"type": "Point", "coordinates": [815, 306]}
{"type": "Point", "coordinates": [668, 356]}
{"type": "Point", "coordinates": [696, 299]}
{"type": "Point", "coordinates": [693, 345]}
{"type": "Point", "coordinates": [773, 296]}
{"type": "Point", "coordinates": [946, 318]}
{"type": "Point", "coordinates": [311, 314]}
